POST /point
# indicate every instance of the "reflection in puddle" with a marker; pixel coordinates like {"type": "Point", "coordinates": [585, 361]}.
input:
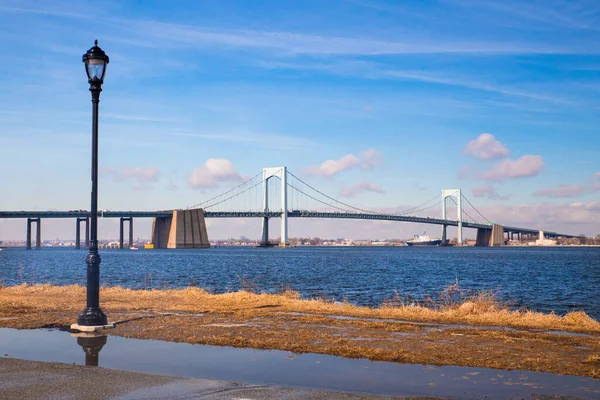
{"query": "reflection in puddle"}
{"type": "Point", "coordinates": [289, 369]}
{"type": "Point", "coordinates": [92, 346]}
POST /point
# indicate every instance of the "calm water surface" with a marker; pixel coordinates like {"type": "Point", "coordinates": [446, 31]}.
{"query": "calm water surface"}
{"type": "Point", "coordinates": [545, 279]}
{"type": "Point", "coordinates": [316, 371]}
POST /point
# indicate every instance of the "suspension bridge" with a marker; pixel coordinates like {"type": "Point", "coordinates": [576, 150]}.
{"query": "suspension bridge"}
{"type": "Point", "coordinates": [278, 193]}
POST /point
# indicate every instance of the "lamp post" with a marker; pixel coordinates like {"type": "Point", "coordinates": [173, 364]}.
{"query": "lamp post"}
{"type": "Point", "coordinates": [95, 66]}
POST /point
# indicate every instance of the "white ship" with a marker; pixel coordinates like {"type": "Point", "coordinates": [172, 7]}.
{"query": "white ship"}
{"type": "Point", "coordinates": [423, 240]}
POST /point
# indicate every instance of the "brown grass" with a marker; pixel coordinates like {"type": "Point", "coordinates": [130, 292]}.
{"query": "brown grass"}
{"type": "Point", "coordinates": [593, 359]}
{"type": "Point", "coordinates": [285, 321]}
{"type": "Point", "coordinates": [479, 308]}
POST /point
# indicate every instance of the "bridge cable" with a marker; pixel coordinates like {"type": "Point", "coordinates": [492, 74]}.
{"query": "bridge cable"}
{"type": "Point", "coordinates": [231, 197]}
{"type": "Point", "coordinates": [222, 194]}
{"type": "Point", "coordinates": [464, 212]}
{"type": "Point", "coordinates": [329, 197]}
{"type": "Point", "coordinates": [476, 210]}
{"type": "Point", "coordinates": [426, 208]}
{"type": "Point", "coordinates": [320, 201]}
{"type": "Point", "coordinates": [416, 208]}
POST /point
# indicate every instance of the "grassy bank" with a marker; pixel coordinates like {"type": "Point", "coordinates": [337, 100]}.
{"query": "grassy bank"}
{"type": "Point", "coordinates": [453, 328]}
{"type": "Point", "coordinates": [450, 306]}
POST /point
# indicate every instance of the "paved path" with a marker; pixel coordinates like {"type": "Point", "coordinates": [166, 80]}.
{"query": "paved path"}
{"type": "Point", "coordinates": [20, 379]}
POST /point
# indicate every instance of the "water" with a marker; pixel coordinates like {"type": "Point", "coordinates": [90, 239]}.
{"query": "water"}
{"type": "Point", "coordinates": [289, 369]}
{"type": "Point", "coordinates": [544, 279]}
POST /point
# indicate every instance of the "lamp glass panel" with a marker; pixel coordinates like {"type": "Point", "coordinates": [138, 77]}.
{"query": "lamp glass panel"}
{"type": "Point", "coordinates": [95, 69]}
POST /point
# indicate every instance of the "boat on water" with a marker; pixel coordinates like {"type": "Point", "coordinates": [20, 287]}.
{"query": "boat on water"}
{"type": "Point", "coordinates": [133, 248]}
{"type": "Point", "coordinates": [423, 240]}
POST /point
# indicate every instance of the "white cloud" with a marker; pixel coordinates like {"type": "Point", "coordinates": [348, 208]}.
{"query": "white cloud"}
{"type": "Point", "coordinates": [486, 147]}
{"type": "Point", "coordinates": [562, 191]}
{"type": "Point", "coordinates": [174, 35]}
{"type": "Point", "coordinates": [571, 190]}
{"type": "Point", "coordinates": [526, 166]}
{"type": "Point", "coordinates": [371, 159]}
{"type": "Point", "coordinates": [213, 172]}
{"type": "Point", "coordinates": [563, 218]}
{"type": "Point", "coordinates": [596, 181]}
{"type": "Point", "coordinates": [360, 187]}
{"type": "Point", "coordinates": [332, 167]}
{"type": "Point", "coordinates": [487, 191]}
{"type": "Point", "coordinates": [368, 159]}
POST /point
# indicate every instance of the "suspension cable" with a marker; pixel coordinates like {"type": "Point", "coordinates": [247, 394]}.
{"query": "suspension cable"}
{"type": "Point", "coordinates": [331, 198]}
{"type": "Point", "coordinates": [426, 208]}
{"type": "Point", "coordinates": [416, 208]}
{"type": "Point", "coordinates": [314, 198]}
{"type": "Point", "coordinates": [476, 210]}
{"type": "Point", "coordinates": [235, 195]}
{"type": "Point", "coordinates": [464, 212]}
{"type": "Point", "coordinates": [229, 191]}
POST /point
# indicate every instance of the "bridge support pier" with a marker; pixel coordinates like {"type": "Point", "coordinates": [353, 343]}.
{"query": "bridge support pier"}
{"type": "Point", "coordinates": [454, 193]}
{"type": "Point", "coordinates": [186, 229]}
{"type": "Point", "coordinates": [78, 233]}
{"type": "Point", "coordinates": [38, 233]}
{"type": "Point", "coordinates": [490, 237]}
{"type": "Point", "coordinates": [264, 242]}
{"type": "Point", "coordinates": [121, 222]}
{"type": "Point", "coordinates": [281, 173]}
{"type": "Point", "coordinates": [444, 234]}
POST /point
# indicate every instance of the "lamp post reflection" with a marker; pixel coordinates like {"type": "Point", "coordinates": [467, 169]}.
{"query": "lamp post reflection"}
{"type": "Point", "coordinates": [92, 345]}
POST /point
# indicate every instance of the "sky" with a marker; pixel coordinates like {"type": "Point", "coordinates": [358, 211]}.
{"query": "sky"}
{"type": "Point", "coordinates": [381, 104]}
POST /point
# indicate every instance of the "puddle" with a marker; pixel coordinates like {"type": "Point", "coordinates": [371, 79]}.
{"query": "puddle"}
{"type": "Point", "coordinates": [429, 326]}
{"type": "Point", "coordinates": [288, 369]}
{"type": "Point", "coordinates": [404, 334]}
{"type": "Point", "coordinates": [565, 333]}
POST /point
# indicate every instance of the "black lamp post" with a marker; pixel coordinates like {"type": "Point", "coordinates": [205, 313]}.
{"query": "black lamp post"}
{"type": "Point", "coordinates": [95, 66]}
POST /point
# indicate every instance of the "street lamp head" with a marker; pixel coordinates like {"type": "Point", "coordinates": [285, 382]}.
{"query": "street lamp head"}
{"type": "Point", "coordinates": [95, 64]}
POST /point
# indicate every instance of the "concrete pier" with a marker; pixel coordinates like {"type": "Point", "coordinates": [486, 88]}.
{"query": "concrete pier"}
{"type": "Point", "coordinates": [264, 242]}
{"type": "Point", "coordinates": [121, 222]}
{"type": "Point", "coordinates": [38, 233]}
{"type": "Point", "coordinates": [186, 229]}
{"type": "Point", "coordinates": [78, 233]}
{"type": "Point", "coordinates": [493, 237]}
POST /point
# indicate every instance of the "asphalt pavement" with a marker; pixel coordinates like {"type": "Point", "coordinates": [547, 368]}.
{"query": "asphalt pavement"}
{"type": "Point", "coordinates": [20, 379]}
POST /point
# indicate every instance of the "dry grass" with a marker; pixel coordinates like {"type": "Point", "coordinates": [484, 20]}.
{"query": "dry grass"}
{"type": "Point", "coordinates": [593, 359]}
{"type": "Point", "coordinates": [451, 306]}
{"type": "Point", "coordinates": [285, 321]}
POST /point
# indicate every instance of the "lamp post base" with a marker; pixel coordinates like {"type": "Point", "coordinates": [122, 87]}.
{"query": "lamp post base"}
{"type": "Point", "coordinates": [91, 328]}
{"type": "Point", "coordinates": [92, 316]}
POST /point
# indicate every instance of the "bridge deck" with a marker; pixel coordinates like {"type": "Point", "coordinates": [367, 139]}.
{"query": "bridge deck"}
{"type": "Point", "coordinates": [271, 214]}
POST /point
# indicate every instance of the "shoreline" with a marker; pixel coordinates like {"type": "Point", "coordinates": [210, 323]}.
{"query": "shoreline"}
{"type": "Point", "coordinates": [477, 332]}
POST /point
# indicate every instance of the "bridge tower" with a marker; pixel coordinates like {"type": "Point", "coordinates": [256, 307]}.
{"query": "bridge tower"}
{"type": "Point", "coordinates": [456, 194]}
{"type": "Point", "coordinates": [281, 173]}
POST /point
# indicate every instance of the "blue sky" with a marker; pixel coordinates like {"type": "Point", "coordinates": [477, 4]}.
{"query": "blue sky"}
{"type": "Point", "coordinates": [266, 83]}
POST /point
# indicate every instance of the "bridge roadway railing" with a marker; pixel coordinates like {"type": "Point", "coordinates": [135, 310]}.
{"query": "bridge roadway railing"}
{"type": "Point", "coordinates": [271, 214]}
{"type": "Point", "coordinates": [318, 214]}
{"type": "Point", "coordinates": [84, 214]}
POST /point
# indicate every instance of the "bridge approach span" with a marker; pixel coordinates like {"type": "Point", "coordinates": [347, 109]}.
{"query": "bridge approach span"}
{"type": "Point", "coordinates": [274, 214]}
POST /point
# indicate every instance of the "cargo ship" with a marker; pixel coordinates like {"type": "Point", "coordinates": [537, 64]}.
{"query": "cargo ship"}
{"type": "Point", "coordinates": [423, 240]}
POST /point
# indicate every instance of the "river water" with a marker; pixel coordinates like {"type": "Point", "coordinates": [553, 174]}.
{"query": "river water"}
{"type": "Point", "coordinates": [544, 279]}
